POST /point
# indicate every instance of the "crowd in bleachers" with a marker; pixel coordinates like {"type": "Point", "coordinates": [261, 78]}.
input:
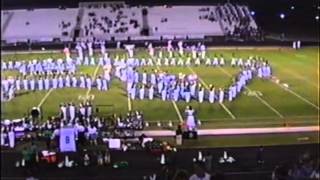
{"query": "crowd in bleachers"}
{"type": "Point", "coordinates": [111, 19]}
{"type": "Point", "coordinates": [171, 21]}
{"type": "Point", "coordinates": [306, 167]}
{"type": "Point", "coordinates": [118, 20]}
{"type": "Point", "coordinates": [237, 20]}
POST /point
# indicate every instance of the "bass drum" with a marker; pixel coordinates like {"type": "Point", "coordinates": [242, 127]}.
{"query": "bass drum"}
{"type": "Point", "coordinates": [35, 112]}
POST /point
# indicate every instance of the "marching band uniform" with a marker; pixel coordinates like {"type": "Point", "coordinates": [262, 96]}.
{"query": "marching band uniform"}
{"type": "Point", "coordinates": [151, 92]}
{"type": "Point", "coordinates": [211, 94]}
{"type": "Point", "coordinates": [200, 94]}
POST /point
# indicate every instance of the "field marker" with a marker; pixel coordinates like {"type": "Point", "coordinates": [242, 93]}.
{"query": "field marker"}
{"type": "Point", "coordinates": [299, 96]}
{"type": "Point", "coordinates": [207, 87]}
{"type": "Point", "coordinates": [262, 100]}
{"type": "Point", "coordinates": [45, 98]}
{"type": "Point", "coordinates": [175, 105]}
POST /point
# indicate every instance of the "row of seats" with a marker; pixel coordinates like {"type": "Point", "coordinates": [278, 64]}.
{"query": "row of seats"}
{"type": "Point", "coordinates": [235, 17]}
{"type": "Point", "coordinates": [122, 21]}
{"type": "Point", "coordinates": [107, 21]}
{"type": "Point", "coordinates": [182, 20]}
{"type": "Point", "coordinates": [40, 24]}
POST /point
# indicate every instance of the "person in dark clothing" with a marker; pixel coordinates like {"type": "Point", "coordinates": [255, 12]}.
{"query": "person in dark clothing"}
{"type": "Point", "coordinates": [259, 155]}
{"type": "Point", "coordinates": [179, 135]}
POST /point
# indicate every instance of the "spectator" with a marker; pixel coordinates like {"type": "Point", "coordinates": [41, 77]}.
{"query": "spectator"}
{"type": "Point", "coordinates": [199, 173]}
{"type": "Point", "coordinates": [179, 135]}
{"type": "Point", "coordinates": [181, 175]}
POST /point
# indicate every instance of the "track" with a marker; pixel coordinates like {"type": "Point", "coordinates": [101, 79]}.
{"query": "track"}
{"type": "Point", "coordinates": [233, 131]}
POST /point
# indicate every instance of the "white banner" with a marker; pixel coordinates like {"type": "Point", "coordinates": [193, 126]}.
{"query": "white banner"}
{"type": "Point", "coordinates": [67, 139]}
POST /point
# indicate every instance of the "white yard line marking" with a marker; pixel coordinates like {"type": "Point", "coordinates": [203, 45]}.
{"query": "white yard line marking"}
{"type": "Point", "coordinates": [207, 87]}
{"type": "Point", "coordinates": [177, 110]}
{"type": "Point", "coordinates": [268, 105]}
{"type": "Point", "coordinates": [298, 76]}
{"type": "Point", "coordinates": [174, 104]}
{"type": "Point", "coordinates": [227, 110]}
{"type": "Point", "coordinates": [45, 98]}
{"type": "Point", "coordinates": [299, 96]}
{"type": "Point", "coordinates": [129, 104]}
{"type": "Point", "coordinates": [259, 98]}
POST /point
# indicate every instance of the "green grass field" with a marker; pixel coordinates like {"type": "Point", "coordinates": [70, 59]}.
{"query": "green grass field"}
{"type": "Point", "coordinates": [299, 105]}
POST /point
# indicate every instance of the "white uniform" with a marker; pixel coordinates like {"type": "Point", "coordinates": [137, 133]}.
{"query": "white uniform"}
{"type": "Point", "coordinates": [197, 62]}
{"type": "Point", "coordinates": [215, 61]}
{"type": "Point", "coordinates": [221, 96]}
{"type": "Point", "coordinates": [233, 61]}
{"type": "Point", "coordinates": [151, 92]}
{"type": "Point", "coordinates": [191, 121]}
{"type": "Point", "coordinates": [180, 62]}
{"type": "Point", "coordinates": [222, 61]}
{"type": "Point", "coordinates": [201, 95]}
{"type": "Point", "coordinates": [240, 62]}
{"type": "Point", "coordinates": [141, 93]}
{"type": "Point", "coordinates": [208, 62]}
{"type": "Point", "coordinates": [188, 61]}
{"type": "Point", "coordinates": [211, 95]}
{"type": "Point", "coordinates": [166, 61]}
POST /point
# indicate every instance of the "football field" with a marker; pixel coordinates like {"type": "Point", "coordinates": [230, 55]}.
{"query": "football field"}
{"type": "Point", "coordinates": [264, 103]}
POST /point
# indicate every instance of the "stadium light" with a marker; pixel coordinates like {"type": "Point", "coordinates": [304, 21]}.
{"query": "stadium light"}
{"type": "Point", "coordinates": [292, 7]}
{"type": "Point", "coordinates": [252, 13]}
{"type": "Point", "coordinates": [317, 18]}
{"type": "Point", "coordinates": [282, 16]}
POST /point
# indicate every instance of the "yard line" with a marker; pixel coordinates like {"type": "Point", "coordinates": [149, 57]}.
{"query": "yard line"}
{"type": "Point", "coordinates": [177, 110]}
{"type": "Point", "coordinates": [268, 105]}
{"type": "Point", "coordinates": [262, 100]}
{"type": "Point", "coordinates": [174, 104]}
{"type": "Point", "coordinates": [207, 87]}
{"type": "Point", "coordinates": [45, 98]}
{"type": "Point", "coordinates": [298, 76]}
{"type": "Point", "coordinates": [129, 104]}
{"type": "Point", "coordinates": [299, 96]}
{"type": "Point", "coordinates": [227, 110]}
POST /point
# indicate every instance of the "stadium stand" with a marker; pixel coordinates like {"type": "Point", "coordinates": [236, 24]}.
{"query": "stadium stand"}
{"type": "Point", "coordinates": [29, 24]}
{"type": "Point", "coordinates": [5, 18]}
{"type": "Point", "coordinates": [172, 21]}
{"type": "Point", "coordinates": [236, 19]}
{"type": "Point", "coordinates": [117, 20]}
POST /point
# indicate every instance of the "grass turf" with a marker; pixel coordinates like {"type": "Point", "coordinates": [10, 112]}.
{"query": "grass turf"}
{"type": "Point", "coordinates": [297, 68]}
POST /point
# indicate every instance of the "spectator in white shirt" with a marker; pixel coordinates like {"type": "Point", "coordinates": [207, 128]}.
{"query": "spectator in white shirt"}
{"type": "Point", "coordinates": [92, 134]}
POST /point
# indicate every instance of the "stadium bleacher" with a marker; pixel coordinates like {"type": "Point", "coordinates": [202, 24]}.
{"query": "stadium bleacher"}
{"type": "Point", "coordinates": [117, 20]}
{"type": "Point", "coordinates": [29, 24]}
{"type": "Point", "coordinates": [173, 21]}
{"type": "Point", "coordinates": [121, 21]}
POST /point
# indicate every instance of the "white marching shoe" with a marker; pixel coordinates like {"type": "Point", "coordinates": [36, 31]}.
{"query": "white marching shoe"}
{"type": "Point", "coordinates": [226, 158]}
